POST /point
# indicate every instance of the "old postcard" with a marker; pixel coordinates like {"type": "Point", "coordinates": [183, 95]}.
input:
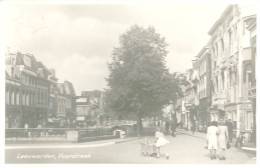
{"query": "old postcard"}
{"type": "Point", "coordinates": [129, 83]}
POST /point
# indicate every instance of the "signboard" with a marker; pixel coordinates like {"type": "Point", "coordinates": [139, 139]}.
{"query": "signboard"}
{"type": "Point", "coordinates": [80, 118]}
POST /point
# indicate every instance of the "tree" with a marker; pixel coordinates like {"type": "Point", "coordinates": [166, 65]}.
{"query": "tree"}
{"type": "Point", "coordinates": [140, 84]}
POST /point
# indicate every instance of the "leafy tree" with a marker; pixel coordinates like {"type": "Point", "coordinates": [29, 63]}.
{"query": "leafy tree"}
{"type": "Point", "coordinates": [140, 84]}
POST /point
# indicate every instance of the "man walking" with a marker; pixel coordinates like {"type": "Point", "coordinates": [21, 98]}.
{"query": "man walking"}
{"type": "Point", "coordinates": [229, 125]}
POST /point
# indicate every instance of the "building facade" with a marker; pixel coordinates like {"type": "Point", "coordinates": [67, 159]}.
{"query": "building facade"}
{"type": "Point", "coordinates": [231, 68]}
{"type": "Point", "coordinates": [27, 91]}
{"type": "Point", "coordinates": [90, 108]}
{"type": "Point", "coordinates": [189, 100]}
{"type": "Point", "coordinates": [251, 26]}
{"type": "Point", "coordinates": [66, 105]}
{"type": "Point", "coordinates": [202, 64]}
{"type": "Point", "coordinates": [222, 77]}
{"type": "Point", "coordinates": [32, 95]}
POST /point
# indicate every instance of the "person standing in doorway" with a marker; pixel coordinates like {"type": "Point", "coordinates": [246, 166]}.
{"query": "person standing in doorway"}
{"type": "Point", "coordinates": [222, 139]}
{"type": "Point", "coordinates": [212, 139]}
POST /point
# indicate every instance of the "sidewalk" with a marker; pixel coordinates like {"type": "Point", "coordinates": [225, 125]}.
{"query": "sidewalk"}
{"type": "Point", "coordinates": [100, 143]}
{"type": "Point", "coordinates": [247, 148]}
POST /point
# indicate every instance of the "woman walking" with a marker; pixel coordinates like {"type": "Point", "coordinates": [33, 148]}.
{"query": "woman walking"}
{"type": "Point", "coordinates": [222, 139]}
{"type": "Point", "coordinates": [212, 139]}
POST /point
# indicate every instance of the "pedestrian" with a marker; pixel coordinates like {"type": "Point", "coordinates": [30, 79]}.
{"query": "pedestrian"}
{"type": "Point", "coordinates": [160, 141]}
{"type": "Point", "coordinates": [222, 139]}
{"type": "Point", "coordinates": [167, 127]}
{"type": "Point", "coordinates": [212, 139]}
{"type": "Point", "coordinates": [193, 127]}
{"type": "Point", "coordinates": [229, 125]}
{"type": "Point", "coordinates": [173, 124]}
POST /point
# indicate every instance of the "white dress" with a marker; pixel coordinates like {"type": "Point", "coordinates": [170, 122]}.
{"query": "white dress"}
{"type": "Point", "coordinates": [222, 137]}
{"type": "Point", "coordinates": [212, 137]}
{"type": "Point", "coordinates": [161, 140]}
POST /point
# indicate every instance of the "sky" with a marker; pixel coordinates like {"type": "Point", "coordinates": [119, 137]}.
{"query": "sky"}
{"type": "Point", "coordinates": [77, 40]}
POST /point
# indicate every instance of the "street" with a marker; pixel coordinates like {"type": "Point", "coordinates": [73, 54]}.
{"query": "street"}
{"type": "Point", "coordinates": [183, 149]}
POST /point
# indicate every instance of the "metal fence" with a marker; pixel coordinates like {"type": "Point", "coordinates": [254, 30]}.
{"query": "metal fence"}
{"type": "Point", "coordinates": [55, 132]}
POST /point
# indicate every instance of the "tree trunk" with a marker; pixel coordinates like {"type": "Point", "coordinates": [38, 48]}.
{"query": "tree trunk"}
{"type": "Point", "coordinates": [139, 126]}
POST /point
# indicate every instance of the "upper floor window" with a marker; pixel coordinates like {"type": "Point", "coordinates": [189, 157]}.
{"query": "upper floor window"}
{"type": "Point", "coordinates": [230, 40]}
{"type": "Point", "coordinates": [222, 46]}
{"type": "Point", "coordinates": [7, 97]}
{"type": "Point", "coordinates": [27, 100]}
{"type": "Point", "coordinates": [17, 98]}
{"type": "Point", "coordinates": [13, 98]}
{"type": "Point", "coordinates": [216, 46]}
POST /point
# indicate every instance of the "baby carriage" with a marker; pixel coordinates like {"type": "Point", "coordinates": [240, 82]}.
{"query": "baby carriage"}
{"type": "Point", "coordinates": [149, 148]}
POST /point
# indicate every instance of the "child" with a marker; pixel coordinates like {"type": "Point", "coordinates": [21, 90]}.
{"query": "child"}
{"type": "Point", "coordinates": [160, 141]}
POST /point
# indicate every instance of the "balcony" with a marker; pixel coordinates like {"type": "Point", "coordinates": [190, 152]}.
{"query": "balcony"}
{"type": "Point", "coordinates": [252, 92]}
{"type": "Point", "coordinates": [219, 96]}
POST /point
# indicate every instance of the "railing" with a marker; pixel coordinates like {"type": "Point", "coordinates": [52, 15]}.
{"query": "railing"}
{"type": "Point", "coordinates": [95, 132]}
{"type": "Point", "coordinates": [55, 132]}
{"type": "Point", "coordinates": [121, 122]}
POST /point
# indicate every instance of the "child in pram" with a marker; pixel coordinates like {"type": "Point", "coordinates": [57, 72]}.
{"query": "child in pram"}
{"type": "Point", "coordinates": [152, 146]}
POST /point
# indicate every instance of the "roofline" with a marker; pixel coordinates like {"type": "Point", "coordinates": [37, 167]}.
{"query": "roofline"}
{"type": "Point", "coordinates": [216, 24]}
{"type": "Point", "coordinates": [201, 52]}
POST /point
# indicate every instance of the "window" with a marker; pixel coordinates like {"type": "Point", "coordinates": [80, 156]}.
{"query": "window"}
{"type": "Point", "coordinates": [17, 98]}
{"type": "Point", "coordinates": [12, 98]}
{"type": "Point", "coordinates": [235, 38]}
{"type": "Point", "coordinates": [27, 100]}
{"type": "Point", "coordinates": [217, 83]}
{"type": "Point", "coordinates": [216, 46]}
{"type": "Point", "coordinates": [7, 97]}
{"type": "Point", "coordinates": [39, 98]}
{"type": "Point", "coordinates": [249, 120]}
{"type": "Point", "coordinates": [223, 79]}
{"type": "Point", "coordinates": [230, 41]}
{"type": "Point", "coordinates": [222, 47]}
{"type": "Point", "coordinates": [32, 98]}
{"type": "Point", "coordinates": [24, 99]}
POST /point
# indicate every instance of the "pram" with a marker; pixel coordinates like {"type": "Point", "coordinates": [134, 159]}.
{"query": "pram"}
{"type": "Point", "coordinates": [148, 148]}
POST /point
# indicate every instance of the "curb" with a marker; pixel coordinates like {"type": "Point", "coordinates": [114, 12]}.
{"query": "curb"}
{"type": "Point", "coordinates": [67, 146]}
{"type": "Point", "coordinates": [127, 140]}
{"type": "Point", "coordinates": [71, 146]}
{"type": "Point", "coordinates": [196, 136]}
